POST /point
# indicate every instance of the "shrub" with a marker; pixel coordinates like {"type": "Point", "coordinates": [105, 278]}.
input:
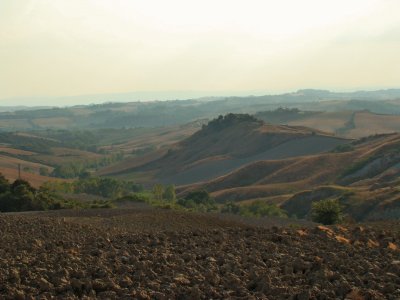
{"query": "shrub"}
{"type": "Point", "coordinates": [198, 200]}
{"type": "Point", "coordinates": [326, 211]}
{"type": "Point", "coordinates": [262, 209]}
{"type": "Point", "coordinates": [137, 197]}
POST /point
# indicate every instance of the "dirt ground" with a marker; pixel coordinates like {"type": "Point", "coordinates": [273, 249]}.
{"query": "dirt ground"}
{"type": "Point", "coordinates": [145, 253]}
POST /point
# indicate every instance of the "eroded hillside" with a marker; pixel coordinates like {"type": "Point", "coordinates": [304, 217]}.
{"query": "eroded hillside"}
{"type": "Point", "coordinates": [230, 142]}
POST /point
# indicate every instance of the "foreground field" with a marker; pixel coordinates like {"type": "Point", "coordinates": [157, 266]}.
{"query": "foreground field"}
{"type": "Point", "coordinates": [159, 254]}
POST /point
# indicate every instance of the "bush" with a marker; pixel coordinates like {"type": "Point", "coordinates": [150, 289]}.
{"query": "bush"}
{"type": "Point", "coordinates": [255, 209]}
{"type": "Point", "coordinates": [137, 197]}
{"type": "Point", "coordinates": [327, 212]}
{"type": "Point", "coordinates": [198, 200]}
{"type": "Point", "coordinates": [262, 209]}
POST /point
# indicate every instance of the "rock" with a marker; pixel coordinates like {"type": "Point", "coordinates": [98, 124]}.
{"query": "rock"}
{"type": "Point", "coordinates": [44, 285]}
{"type": "Point", "coordinates": [125, 282]}
{"type": "Point", "coordinates": [181, 279]}
{"type": "Point", "coordinates": [99, 285]}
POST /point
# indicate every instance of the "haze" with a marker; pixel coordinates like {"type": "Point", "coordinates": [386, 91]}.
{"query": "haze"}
{"type": "Point", "coordinates": [75, 47]}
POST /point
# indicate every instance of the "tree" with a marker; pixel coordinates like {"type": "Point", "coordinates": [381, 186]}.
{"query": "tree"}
{"type": "Point", "coordinates": [158, 191]}
{"type": "Point", "coordinates": [200, 197]}
{"type": "Point", "coordinates": [199, 200]}
{"type": "Point", "coordinates": [231, 207]}
{"type": "Point", "coordinates": [169, 193]}
{"type": "Point", "coordinates": [4, 184]}
{"type": "Point", "coordinates": [326, 211]}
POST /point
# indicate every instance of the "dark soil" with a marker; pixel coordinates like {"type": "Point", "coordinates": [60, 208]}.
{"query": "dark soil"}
{"type": "Point", "coordinates": [159, 254]}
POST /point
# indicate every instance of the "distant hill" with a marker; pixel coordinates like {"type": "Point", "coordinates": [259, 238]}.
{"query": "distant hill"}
{"type": "Point", "coordinates": [178, 112]}
{"type": "Point", "coordinates": [227, 143]}
{"type": "Point", "coordinates": [346, 123]}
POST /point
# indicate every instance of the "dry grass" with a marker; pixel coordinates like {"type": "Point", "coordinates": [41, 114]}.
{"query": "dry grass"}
{"type": "Point", "coordinates": [14, 151]}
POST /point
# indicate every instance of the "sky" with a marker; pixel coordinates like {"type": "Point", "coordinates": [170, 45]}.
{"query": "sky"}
{"type": "Point", "coordinates": [176, 48]}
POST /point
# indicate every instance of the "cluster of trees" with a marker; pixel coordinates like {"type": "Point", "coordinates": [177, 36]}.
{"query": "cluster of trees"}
{"type": "Point", "coordinates": [254, 209]}
{"type": "Point", "coordinates": [198, 200]}
{"type": "Point", "coordinates": [21, 196]}
{"type": "Point", "coordinates": [100, 186]}
{"type": "Point", "coordinates": [79, 169]}
{"type": "Point", "coordinates": [77, 139]}
{"type": "Point", "coordinates": [230, 119]}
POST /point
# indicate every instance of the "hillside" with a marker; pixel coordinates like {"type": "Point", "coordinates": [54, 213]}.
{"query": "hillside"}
{"type": "Point", "coordinates": [344, 123]}
{"type": "Point", "coordinates": [228, 143]}
{"type": "Point", "coordinates": [364, 177]}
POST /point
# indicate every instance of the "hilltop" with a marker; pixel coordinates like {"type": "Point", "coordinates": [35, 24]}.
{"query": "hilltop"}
{"type": "Point", "coordinates": [227, 143]}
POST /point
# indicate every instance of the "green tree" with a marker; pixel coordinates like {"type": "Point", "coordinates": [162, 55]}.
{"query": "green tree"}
{"type": "Point", "coordinates": [169, 193]}
{"type": "Point", "coordinates": [158, 191]}
{"type": "Point", "coordinates": [199, 200]}
{"type": "Point", "coordinates": [231, 208]}
{"type": "Point", "coordinates": [4, 184]}
{"type": "Point", "coordinates": [326, 211]}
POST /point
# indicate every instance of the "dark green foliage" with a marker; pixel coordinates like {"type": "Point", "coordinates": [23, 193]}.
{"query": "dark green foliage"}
{"type": "Point", "coordinates": [198, 200]}
{"type": "Point", "coordinates": [100, 186]}
{"type": "Point", "coordinates": [230, 119]}
{"type": "Point", "coordinates": [326, 211]}
{"type": "Point", "coordinates": [231, 208]}
{"type": "Point", "coordinates": [79, 169]}
{"type": "Point", "coordinates": [255, 209]}
{"type": "Point", "coordinates": [136, 197]}
{"type": "Point", "coordinates": [4, 184]}
{"type": "Point", "coordinates": [169, 193]}
{"type": "Point", "coordinates": [21, 196]}
{"type": "Point", "coordinates": [262, 209]}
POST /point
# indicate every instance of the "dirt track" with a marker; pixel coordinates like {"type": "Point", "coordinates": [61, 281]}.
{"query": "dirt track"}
{"type": "Point", "coordinates": [158, 254]}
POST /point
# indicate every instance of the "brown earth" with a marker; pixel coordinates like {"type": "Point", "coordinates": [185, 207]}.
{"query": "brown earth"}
{"type": "Point", "coordinates": [349, 124]}
{"type": "Point", "coordinates": [143, 253]}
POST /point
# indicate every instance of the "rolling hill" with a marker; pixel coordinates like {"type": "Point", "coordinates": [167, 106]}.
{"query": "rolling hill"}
{"type": "Point", "coordinates": [344, 123]}
{"type": "Point", "coordinates": [364, 177]}
{"type": "Point", "coordinates": [226, 144]}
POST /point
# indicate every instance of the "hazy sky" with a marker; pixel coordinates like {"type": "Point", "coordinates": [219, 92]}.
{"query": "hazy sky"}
{"type": "Point", "coordinates": [74, 47]}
